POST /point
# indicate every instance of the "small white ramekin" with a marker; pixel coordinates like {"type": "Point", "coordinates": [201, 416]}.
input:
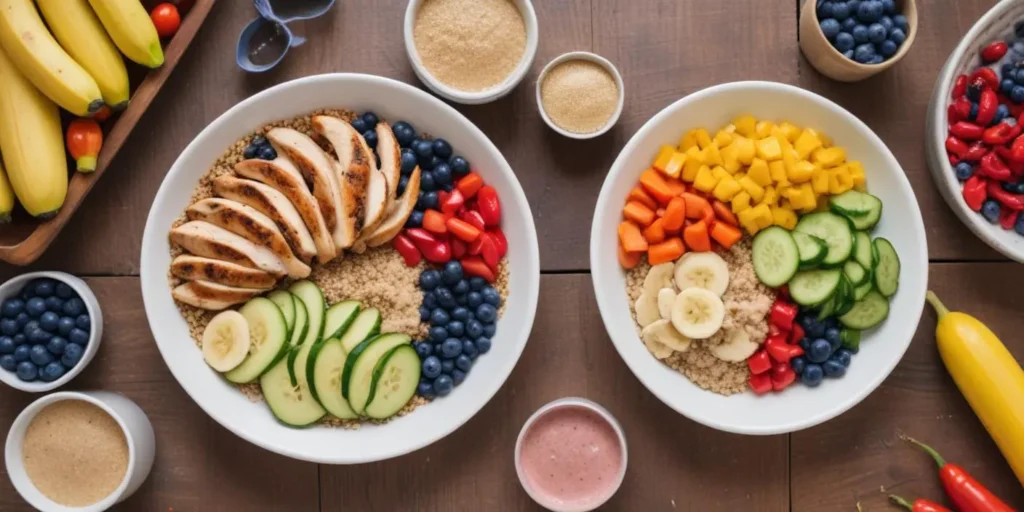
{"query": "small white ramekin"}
{"type": "Point", "coordinates": [13, 287]}
{"type": "Point", "coordinates": [599, 60]}
{"type": "Point", "coordinates": [138, 432]}
{"type": "Point", "coordinates": [571, 402]}
{"type": "Point", "coordinates": [479, 97]}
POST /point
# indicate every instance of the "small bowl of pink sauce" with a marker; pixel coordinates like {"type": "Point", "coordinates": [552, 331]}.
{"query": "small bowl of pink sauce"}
{"type": "Point", "coordinates": [571, 455]}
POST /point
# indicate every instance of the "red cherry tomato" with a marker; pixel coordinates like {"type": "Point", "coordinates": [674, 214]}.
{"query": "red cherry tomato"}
{"type": "Point", "coordinates": [166, 19]}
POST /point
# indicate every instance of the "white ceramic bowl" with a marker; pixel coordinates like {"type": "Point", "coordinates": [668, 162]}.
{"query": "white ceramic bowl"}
{"type": "Point", "coordinates": [465, 97]}
{"type": "Point", "coordinates": [138, 432]}
{"type": "Point", "coordinates": [253, 421]}
{"type": "Point", "coordinates": [881, 349]}
{"type": "Point", "coordinates": [13, 287]}
{"type": "Point", "coordinates": [599, 60]}
{"type": "Point", "coordinates": [995, 25]}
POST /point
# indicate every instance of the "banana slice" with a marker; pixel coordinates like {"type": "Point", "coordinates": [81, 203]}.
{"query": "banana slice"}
{"type": "Point", "coordinates": [735, 347]}
{"type": "Point", "coordinates": [652, 340]}
{"type": "Point", "coordinates": [646, 308]}
{"type": "Point", "coordinates": [697, 313]}
{"type": "Point", "coordinates": [705, 270]}
{"type": "Point", "coordinates": [666, 296]}
{"type": "Point", "coordinates": [663, 332]}
{"type": "Point", "coordinates": [658, 277]}
{"type": "Point", "coordinates": [226, 341]}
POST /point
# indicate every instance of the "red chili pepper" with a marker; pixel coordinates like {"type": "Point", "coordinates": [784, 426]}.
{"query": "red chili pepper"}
{"type": "Point", "coordinates": [955, 146]}
{"type": "Point", "coordinates": [965, 130]}
{"type": "Point", "coordinates": [759, 362]}
{"type": "Point", "coordinates": [474, 266]}
{"type": "Point", "coordinates": [797, 333]}
{"type": "Point", "coordinates": [919, 505]}
{"type": "Point", "coordinates": [406, 249]}
{"type": "Point", "coordinates": [974, 152]}
{"type": "Point", "coordinates": [974, 192]}
{"type": "Point", "coordinates": [1011, 201]}
{"type": "Point", "coordinates": [959, 87]}
{"type": "Point", "coordinates": [452, 203]}
{"type": "Point", "coordinates": [988, 104]}
{"type": "Point", "coordinates": [1000, 134]}
{"type": "Point", "coordinates": [993, 167]}
{"type": "Point", "coordinates": [760, 383]}
{"type": "Point", "coordinates": [993, 52]}
{"type": "Point", "coordinates": [988, 77]}
{"type": "Point", "coordinates": [782, 315]}
{"type": "Point", "coordinates": [963, 490]}
{"type": "Point", "coordinates": [782, 376]}
{"type": "Point", "coordinates": [1008, 218]}
{"type": "Point", "coordinates": [499, 239]}
{"type": "Point", "coordinates": [489, 206]}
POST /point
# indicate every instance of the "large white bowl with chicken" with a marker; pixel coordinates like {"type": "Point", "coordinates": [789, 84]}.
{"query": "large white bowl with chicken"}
{"type": "Point", "coordinates": [192, 262]}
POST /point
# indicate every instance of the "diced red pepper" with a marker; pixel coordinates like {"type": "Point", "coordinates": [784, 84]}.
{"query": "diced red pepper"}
{"type": "Point", "coordinates": [459, 248]}
{"type": "Point", "coordinates": [959, 87]}
{"type": "Point", "coordinates": [759, 362]}
{"type": "Point", "coordinates": [989, 103]}
{"type": "Point", "coordinates": [452, 203]}
{"type": "Point", "coordinates": [474, 266]}
{"type": "Point", "coordinates": [499, 239]}
{"type": "Point", "coordinates": [777, 348]}
{"type": "Point", "coordinates": [462, 229]}
{"type": "Point", "coordinates": [760, 383]}
{"type": "Point", "coordinates": [974, 192]}
{"type": "Point", "coordinates": [797, 333]}
{"type": "Point", "coordinates": [1008, 218]}
{"type": "Point", "coordinates": [489, 206]}
{"type": "Point", "coordinates": [1011, 201]}
{"type": "Point", "coordinates": [988, 77]}
{"type": "Point", "coordinates": [1000, 134]}
{"type": "Point", "coordinates": [470, 184]}
{"type": "Point", "coordinates": [782, 376]}
{"type": "Point", "coordinates": [966, 130]}
{"type": "Point", "coordinates": [473, 218]}
{"type": "Point", "coordinates": [955, 146]}
{"type": "Point", "coordinates": [993, 52]}
{"type": "Point", "coordinates": [782, 315]}
{"type": "Point", "coordinates": [406, 249]}
{"type": "Point", "coordinates": [433, 221]}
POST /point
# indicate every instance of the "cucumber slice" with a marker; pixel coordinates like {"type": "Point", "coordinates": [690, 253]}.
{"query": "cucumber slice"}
{"type": "Point", "coordinates": [851, 339]}
{"type": "Point", "coordinates": [862, 253]}
{"type": "Point", "coordinates": [269, 335]}
{"type": "Point", "coordinates": [357, 379]}
{"type": "Point", "coordinates": [775, 256]}
{"type": "Point", "coordinates": [887, 271]}
{"type": "Point", "coordinates": [867, 312]}
{"type": "Point", "coordinates": [301, 323]}
{"type": "Point", "coordinates": [339, 317]}
{"type": "Point", "coordinates": [365, 326]}
{"type": "Point", "coordinates": [316, 306]}
{"type": "Point", "coordinates": [324, 368]}
{"type": "Point", "coordinates": [834, 230]}
{"type": "Point", "coordinates": [844, 298]}
{"type": "Point", "coordinates": [863, 209]}
{"type": "Point", "coordinates": [855, 273]}
{"type": "Point", "coordinates": [827, 309]}
{"type": "Point", "coordinates": [394, 382]}
{"type": "Point", "coordinates": [862, 290]}
{"type": "Point", "coordinates": [291, 404]}
{"type": "Point", "coordinates": [286, 302]}
{"type": "Point", "coordinates": [813, 287]}
{"type": "Point", "coordinates": [811, 248]}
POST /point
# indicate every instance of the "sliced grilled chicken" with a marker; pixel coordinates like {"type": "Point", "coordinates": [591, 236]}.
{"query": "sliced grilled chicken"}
{"type": "Point", "coordinates": [212, 296]}
{"type": "Point", "coordinates": [355, 163]}
{"type": "Point", "coordinates": [205, 239]}
{"type": "Point", "coordinates": [195, 268]}
{"type": "Point", "coordinates": [320, 170]}
{"type": "Point", "coordinates": [247, 222]}
{"type": "Point", "coordinates": [390, 161]}
{"type": "Point", "coordinates": [396, 219]}
{"type": "Point", "coordinates": [272, 203]}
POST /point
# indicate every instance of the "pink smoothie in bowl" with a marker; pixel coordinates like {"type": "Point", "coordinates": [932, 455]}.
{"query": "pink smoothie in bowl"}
{"type": "Point", "coordinates": [571, 455]}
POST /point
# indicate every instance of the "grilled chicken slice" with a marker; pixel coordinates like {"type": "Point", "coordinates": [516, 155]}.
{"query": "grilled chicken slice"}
{"type": "Point", "coordinates": [396, 219]}
{"type": "Point", "coordinates": [355, 163]}
{"type": "Point", "coordinates": [205, 239]}
{"type": "Point", "coordinates": [268, 201]}
{"type": "Point", "coordinates": [281, 174]}
{"type": "Point", "coordinates": [198, 268]}
{"type": "Point", "coordinates": [390, 161]}
{"type": "Point", "coordinates": [247, 222]}
{"type": "Point", "coordinates": [212, 296]}
{"type": "Point", "coordinates": [320, 170]}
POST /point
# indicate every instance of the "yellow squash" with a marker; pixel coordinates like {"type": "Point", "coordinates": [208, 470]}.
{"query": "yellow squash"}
{"type": "Point", "coordinates": [987, 375]}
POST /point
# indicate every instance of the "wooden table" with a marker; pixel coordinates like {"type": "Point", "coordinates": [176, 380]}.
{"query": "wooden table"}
{"type": "Point", "coordinates": [665, 49]}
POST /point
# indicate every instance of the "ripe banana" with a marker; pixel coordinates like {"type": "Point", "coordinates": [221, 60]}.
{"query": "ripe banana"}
{"type": "Point", "coordinates": [6, 197]}
{"type": "Point", "coordinates": [79, 31]}
{"type": "Point", "coordinates": [29, 44]}
{"type": "Point", "coordinates": [705, 270]}
{"type": "Point", "coordinates": [32, 143]}
{"type": "Point", "coordinates": [132, 30]}
{"type": "Point", "coordinates": [226, 341]}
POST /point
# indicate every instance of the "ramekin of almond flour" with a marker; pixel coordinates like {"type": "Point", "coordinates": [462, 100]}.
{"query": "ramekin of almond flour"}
{"type": "Point", "coordinates": [580, 95]}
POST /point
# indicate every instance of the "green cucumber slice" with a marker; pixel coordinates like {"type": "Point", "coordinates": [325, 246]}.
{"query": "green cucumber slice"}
{"type": "Point", "coordinates": [291, 403]}
{"type": "Point", "coordinates": [827, 309]}
{"type": "Point", "coordinates": [887, 271]}
{"type": "Point", "coordinates": [324, 368]}
{"type": "Point", "coordinates": [339, 317]}
{"type": "Point", "coordinates": [862, 253]}
{"type": "Point", "coordinates": [811, 248]}
{"type": "Point", "coordinates": [316, 306]}
{"type": "Point", "coordinates": [844, 298]}
{"type": "Point", "coordinates": [834, 230]}
{"type": "Point", "coordinates": [813, 287]}
{"type": "Point", "coordinates": [863, 209]}
{"type": "Point", "coordinates": [365, 326]}
{"type": "Point", "coordinates": [269, 335]}
{"type": "Point", "coordinates": [862, 290]}
{"type": "Point", "coordinates": [357, 379]}
{"type": "Point", "coordinates": [301, 323]}
{"type": "Point", "coordinates": [867, 312]}
{"type": "Point", "coordinates": [855, 273]}
{"type": "Point", "coordinates": [851, 339]}
{"type": "Point", "coordinates": [394, 382]}
{"type": "Point", "coordinates": [775, 256]}
{"type": "Point", "coordinates": [286, 302]}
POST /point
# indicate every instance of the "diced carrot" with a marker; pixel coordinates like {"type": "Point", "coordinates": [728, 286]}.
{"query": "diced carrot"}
{"type": "Point", "coordinates": [660, 212]}
{"type": "Point", "coordinates": [708, 216]}
{"type": "Point", "coordinates": [724, 213]}
{"type": "Point", "coordinates": [669, 250]}
{"type": "Point", "coordinates": [462, 229]}
{"type": "Point", "coordinates": [628, 260]}
{"type": "Point", "coordinates": [655, 185]}
{"type": "Point", "coordinates": [434, 222]}
{"type": "Point", "coordinates": [638, 213]}
{"type": "Point", "coordinates": [726, 234]}
{"type": "Point", "coordinates": [696, 237]}
{"type": "Point", "coordinates": [631, 238]}
{"type": "Point", "coordinates": [695, 205]}
{"type": "Point", "coordinates": [640, 195]}
{"type": "Point", "coordinates": [677, 187]}
{"type": "Point", "coordinates": [675, 214]}
{"type": "Point", "coordinates": [655, 233]}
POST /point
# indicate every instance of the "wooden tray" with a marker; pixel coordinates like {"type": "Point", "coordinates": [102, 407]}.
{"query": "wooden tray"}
{"type": "Point", "coordinates": [25, 238]}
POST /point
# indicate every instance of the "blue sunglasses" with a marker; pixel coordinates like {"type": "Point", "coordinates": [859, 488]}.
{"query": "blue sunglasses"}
{"type": "Point", "coordinates": [266, 39]}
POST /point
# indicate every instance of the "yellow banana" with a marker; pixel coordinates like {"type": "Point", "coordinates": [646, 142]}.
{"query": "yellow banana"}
{"type": "Point", "coordinates": [132, 30]}
{"type": "Point", "coordinates": [6, 197]}
{"type": "Point", "coordinates": [32, 143]}
{"type": "Point", "coordinates": [79, 31]}
{"type": "Point", "coordinates": [29, 44]}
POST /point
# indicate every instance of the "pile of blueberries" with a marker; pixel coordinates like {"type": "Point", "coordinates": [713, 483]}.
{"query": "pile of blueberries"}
{"type": "Point", "coordinates": [259, 147]}
{"type": "Point", "coordinates": [866, 31]}
{"type": "Point", "coordinates": [828, 348]}
{"type": "Point", "coordinates": [43, 331]}
{"type": "Point", "coordinates": [462, 314]}
{"type": "Point", "coordinates": [440, 168]}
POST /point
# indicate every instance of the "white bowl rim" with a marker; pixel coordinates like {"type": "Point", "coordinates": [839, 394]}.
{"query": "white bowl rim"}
{"type": "Point", "coordinates": [599, 60]}
{"type": "Point", "coordinates": [605, 308]}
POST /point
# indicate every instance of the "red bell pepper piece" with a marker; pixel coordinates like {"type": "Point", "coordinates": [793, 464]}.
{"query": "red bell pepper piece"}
{"type": "Point", "coordinates": [963, 490]}
{"type": "Point", "coordinates": [473, 218]}
{"type": "Point", "coordinates": [955, 146]}
{"type": "Point", "coordinates": [759, 362]}
{"type": "Point", "coordinates": [499, 238]}
{"type": "Point", "coordinates": [433, 221]}
{"type": "Point", "coordinates": [1011, 201]}
{"type": "Point", "coordinates": [959, 87]}
{"type": "Point", "coordinates": [406, 249]}
{"type": "Point", "coordinates": [966, 130]}
{"type": "Point", "coordinates": [760, 383]}
{"type": "Point", "coordinates": [989, 103]}
{"type": "Point", "coordinates": [782, 292]}
{"type": "Point", "coordinates": [974, 192]}
{"type": "Point", "coordinates": [782, 376]}
{"type": "Point", "coordinates": [489, 206]}
{"type": "Point", "coordinates": [777, 348]}
{"type": "Point", "coordinates": [988, 78]}
{"type": "Point", "coordinates": [1008, 218]}
{"type": "Point", "coordinates": [462, 229]}
{"type": "Point", "coordinates": [919, 505]}
{"type": "Point", "coordinates": [1001, 133]}
{"type": "Point", "coordinates": [797, 333]}
{"type": "Point", "coordinates": [470, 184]}
{"type": "Point", "coordinates": [474, 266]}
{"type": "Point", "coordinates": [452, 203]}
{"type": "Point", "coordinates": [782, 315]}
{"type": "Point", "coordinates": [993, 167]}
{"type": "Point", "coordinates": [993, 52]}
{"type": "Point", "coordinates": [459, 248]}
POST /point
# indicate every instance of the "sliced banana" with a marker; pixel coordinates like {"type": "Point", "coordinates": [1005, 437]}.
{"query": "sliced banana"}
{"type": "Point", "coordinates": [666, 296]}
{"type": "Point", "coordinates": [658, 277]}
{"type": "Point", "coordinates": [226, 341]}
{"type": "Point", "coordinates": [705, 270]}
{"type": "Point", "coordinates": [652, 340]}
{"type": "Point", "coordinates": [697, 313]}
{"type": "Point", "coordinates": [663, 332]}
{"type": "Point", "coordinates": [646, 308]}
{"type": "Point", "coordinates": [735, 347]}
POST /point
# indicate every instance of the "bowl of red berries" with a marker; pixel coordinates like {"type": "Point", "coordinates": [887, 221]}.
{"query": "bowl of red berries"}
{"type": "Point", "coordinates": [975, 147]}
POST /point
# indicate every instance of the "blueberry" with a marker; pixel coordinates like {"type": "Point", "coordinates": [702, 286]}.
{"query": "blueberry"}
{"type": "Point", "coordinates": [257, 140]}
{"type": "Point", "coordinates": [964, 170]}
{"type": "Point", "coordinates": [848, 54]}
{"type": "Point", "coordinates": [460, 314]}
{"type": "Point", "coordinates": [438, 334]}
{"type": "Point", "coordinates": [7, 345]}
{"type": "Point", "coordinates": [27, 371]}
{"type": "Point", "coordinates": [888, 48]}
{"type": "Point", "coordinates": [78, 336]}
{"type": "Point", "coordinates": [1006, 85]}
{"type": "Point", "coordinates": [869, 11]}
{"type": "Point", "coordinates": [74, 307]}
{"type": "Point", "coordinates": [860, 34]}
{"type": "Point", "coordinates": [39, 355]}
{"type": "Point", "coordinates": [415, 219]}
{"type": "Point", "coordinates": [429, 301]}
{"type": "Point", "coordinates": [819, 351]}
{"type": "Point", "coordinates": [64, 325]}
{"type": "Point", "coordinates": [990, 210]}
{"type": "Point", "coordinates": [840, 11]}
{"type": "Point", "coordinates": [451, 348]}
{"type": "Point", "coordinates": [491, 296]}
{"type": "Point", "coordinates": [72, 355]}
{"type": "Point", "coordinates": [48, 321]}
{"type": "Point", "coordinates": [19, 339]}
{"type": "Point", "coordinates": [51, 372]}
{"type": "Point", "coordinates": [442, 149]}
{"type": "Point", "coordinates": [430, 201]}
{"type": "Point", "coordinates": [486, 313]}
{"type": "Point", "coordinates": [439, 317]}
{"type": "Point", "coordinates": [458, 376]}
{"type": "Point", "coordinates": [424, 149]}
{"type": "Point", "coordinates": [834, 337]}
{"type": "Point", "coordinates": [469, 348]}
{"type": "Point", "coordinates": [425, 389]}
{"type": "Point", "coordinates": [55, 304]}
{"type": "Point", "coordinates": [900, 21]}
{"type": "Point", "coordinates": [463, 362]}
{"type": "Point", "coordinates": [897, 35]}
{"type": "Point", "coordinates": [39, 336]}
{"type": "Point", "coordinates": [359, 125]}
{"type": "Point", "coordinates": [477, 283]}
{"type": "Point", "coordinates": [483, 345]}
{"type": "Point", "coordinates": [830, 27]}
{"type": "Point", "coordinates": [489, 330]}
{"type": "Point", "coordinates": [474, 329]}
{"type": "Point", "coordinates": [848, 24]}
{"type": "Point", "coordinates": [426, 163]}
{"type": "Point", "coordinates": [452, 273]}
{"type": "Point", "coordinates": [864, 53]}
{"type": "Point", "coordinates": [250, 152]}
{"type": "Point", "coordinates": [805, 343]}
{"type": "Point", "coordinates": [56, 345]}
{"type": "Point", "coordinates": [876, 33]}
{"type": "Point", "coordinates": [974, 112]}
{"type": "Point", "coordinates": [459, 165]}
{"type": "Point", "coordinates": [423, 349]}
{"type": "Point", "coordinates": [12, 307]}
{"type": "Point", "coordinates": [22, 319]}
{"type": "Point", "coordinates": [833, 368]}
{"type": "Point", "coordinates": [44, 287]}
{"type": "Point", "coordinates": [429, 279]}
{"type": "Point", "coordinates": [886, 22]}
{"type": "Point", "coordinates": [474, 299]}
{"type": "Point", "coordinates": [461, 288]}
{"type": "Point", "coordinates": [889, 6]}
{"type": "Point", "coordinates": [370, 137]}
{"type": "Point", "coordinates": [844, 42]}
{"type": "Point", "coordinates": [9, 326]}
{"type": "Point", "coordinates": [1016, 94]}
{"type": "Point", "coordinates": [427, 183]}
{"type": "Point", "coordinates": [404, 132]}
{"type": "Point", "coordinates": [812, 375]}
{"type": "Point", "coordinates": [824, 10]}
{"type": "Point", "coordinates": [408, 163]}
{"type": "Point", "coordinates": [266, 153]}
{"type": "Point", "coordinates": [447, 365]}
{"type": "Point", "coordinates": [798, 363]}
{"type": "Point", "coordinates": [431, 367]}
{"type": "Point", "coordinates": [35, 307]}
{"type": "Point", "coordinates": [445, 298]}
{"type": "Point", "coordinates": [844, 356]}
{"type": "Point", "coordinates": [456, 328]}
{"type": "Point", "coordinates": [443, 174]}
{"type": "Point", "coordinates": [64, 291]}
{"type": "Point", "coordinates": [8, 363]}
{"type": "Point", "coordinates": [443, 385]}
{"type": "Point", "coordinates": [22, 353]}
{"type": "Point", "coordinates": [1002, 112]}
{"type": "Point", "coordinates": [29, 328]}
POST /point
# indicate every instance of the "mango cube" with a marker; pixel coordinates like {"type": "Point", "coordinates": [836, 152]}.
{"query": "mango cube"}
{"type": "Point", "coordinates": [762, 215]}
{"type": "Point", "coordinates": [790, 131]}
{"type": "Point", "coordinates": [663, 156]}
{"type": "Point", "coordinates": [751, 187]}
{"type": "Point", "coordinates": [745, 125]}
{"type": "Point", "coordinates": [807, 143]}
{"type": "Point", "coordinates": [777, 170]}
{"type": "Point", "coordinates": [703, 138]}
{"type": "Point", "coordinates": [689, 141]}
{"type": "Point", "coordinates": [829, 157]}
{"type": "Point", "coordinates": [705, 181]}
{"type": "Point", "coordinates": [710, 155]}
{"type": "Point", "coordinates": [726, 189]}
{"type": "Point", "coordinates": [800, 172]}
{"type": "Point", "coordinates": [783, 217]}
{"type": "Point", "coordinates": [675, 164]}
{"type": "Point", "coordinates": [763, 129]}
{"type": "Point", "coordinates": [760, 173]}
{"type": "Point", "coordinates": [723, 138]}
{"type": "Point", "coordinates": [745, 150]}
{"type": "Point", "coordinates": [692, 164]}
{"type": "Point", "coordinates": [826, 141]}
{"type": "Point", "coordinates": [768, 149]}
{"type": "Point", "coordinates": [730, 160]}
{"type": "Point", "coordinates": [771, 196]}
{"type": "Point", "coordinates": [720, 173]}
{"type": "Point", "coordinates": [748, 219]}
{"type": "Point", "coordinates": [802, 196]}
{"type": "Point", "coordinates": [740, 202]}
{"type": "Point", "coordinates": [839, 180]}
{"type": "Point", "coordinates": [856, 172]}
{"type": "Point", "coordinates": [819, 181]}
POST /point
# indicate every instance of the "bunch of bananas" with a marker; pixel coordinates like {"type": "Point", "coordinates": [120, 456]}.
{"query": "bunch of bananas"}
{"type": "Point", "coordinates": [71, 61]}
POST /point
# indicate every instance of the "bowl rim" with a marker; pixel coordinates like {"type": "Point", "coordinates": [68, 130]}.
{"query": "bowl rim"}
{"type": "Point", "coordinates": [92, 307]}
{"type": "Point", "coordinates": [475, 97]}
{"type": "Point", "coordinates": [590, 57]}
{"type": "Point", "coordinates": [531, 254]}
{"type": "Point", "coordinates": [600, 282]}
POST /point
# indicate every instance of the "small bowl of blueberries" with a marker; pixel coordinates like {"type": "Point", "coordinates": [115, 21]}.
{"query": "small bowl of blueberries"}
{"type": "Point", "coordinates": [50, 328]}
{"type": "Point", "coordinates": [851, 40]}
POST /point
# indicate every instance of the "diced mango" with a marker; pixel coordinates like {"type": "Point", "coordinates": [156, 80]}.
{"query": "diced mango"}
{"type": "Point", "coordinates": [688, 141]}
{"type": "Point", "coordinates": [720, 173]}
{"type": "Point", "coordinates": [771, 196]}
{"type": "Point", "coordinates": [806, 143]}
{"type": "Point", "coordinates": [740, 202]}
{"type": "Point", "coordinates": [723, 138]}
{"type": "Point", "coordinates": [710, 155]}
{"type": "Point", "coordinates": [783, 217]}
{"type": "Point", "coordinates": [692, 164]}
{"type": "Point", "coordinates": [739, 175]}
{"type": "Point", "coordinates": [726, 189]}
{"type": "Point", "coordinates": [829, 157]}
{"type": "Point", "coordinates": [729, 128]}
{"type": "Point", "coordinates": [790, 158]}
{"type": "Point", "coordinates": [745, 150]}
{"type": "Point", "coordinates": [762, 216]}
{"type": "Point", "coordinates": [705, 181]}
{"type": "Point", "coordinates": [856, 172]}
{"type": "Point", "coordinates": [729, 159]}
{"type": "Point", "coordinates": [703, 138]}
{"type": "Point", "coordinates": [791, 131]}
{"type": "Point", "coordinates": [800, 172]}
{"type": "Point", "coordinates": [675, 164]}
{"type": "Point", "coordinates": [777, 170]}
{"type": "Point", "coordinates": [768, 149]}
{"type": "Point", "coordinates": [748, 219]}
{"type": "Point", "coordinates": [819, 181]}
{"type": "Point", "coordinates": [745, 125]}
{"type": "Point", "coordinates": [751, 187]}
{"type": "Point", "coordinates": [826, 141]}
{"type": "Point", "coordinates": [839, 180]}
{"type": "Point", "coordinates": [664, 155]}
{"type": "Point", "coordinates": [802, 196]}
{"type": "Point", "coordinates": [760, 173]}
{"type": "Point", "coordinates": [763, 129]}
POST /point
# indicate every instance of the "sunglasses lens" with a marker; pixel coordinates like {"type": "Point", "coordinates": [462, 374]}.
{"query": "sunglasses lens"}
{"type": "Point", "coordinates": [298, 9]}
{"type": "Point", "coordinates": [262, 45]}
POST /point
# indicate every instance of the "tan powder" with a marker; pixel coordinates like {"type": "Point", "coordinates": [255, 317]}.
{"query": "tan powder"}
{"type": "Point", "coordinates": [75, 453]}
{"type": "Point", "coordinates": [470, 45]}
{"type": "Point", "coordinates": [579, 96]}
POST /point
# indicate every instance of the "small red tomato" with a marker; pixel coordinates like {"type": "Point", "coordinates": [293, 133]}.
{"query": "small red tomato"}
{"type": "Point", "coordinates": [166, 19]}
{"type": "Point", "coordinates": [759, 362]}
{"type": "Point", "coordinates": [488, 205]}
{"type": "Point", "coordinates": [760, 383]}
{"type": "Point", "coordinates": [993, 52]}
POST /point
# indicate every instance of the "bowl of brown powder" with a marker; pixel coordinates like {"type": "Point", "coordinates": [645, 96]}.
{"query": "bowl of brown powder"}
{"type": "Point", "coordinates": [580, 95]}
{"type": "Point", "coordinates": [79, 451]}
{"type": "Point", "coordinates": [471, 51]}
